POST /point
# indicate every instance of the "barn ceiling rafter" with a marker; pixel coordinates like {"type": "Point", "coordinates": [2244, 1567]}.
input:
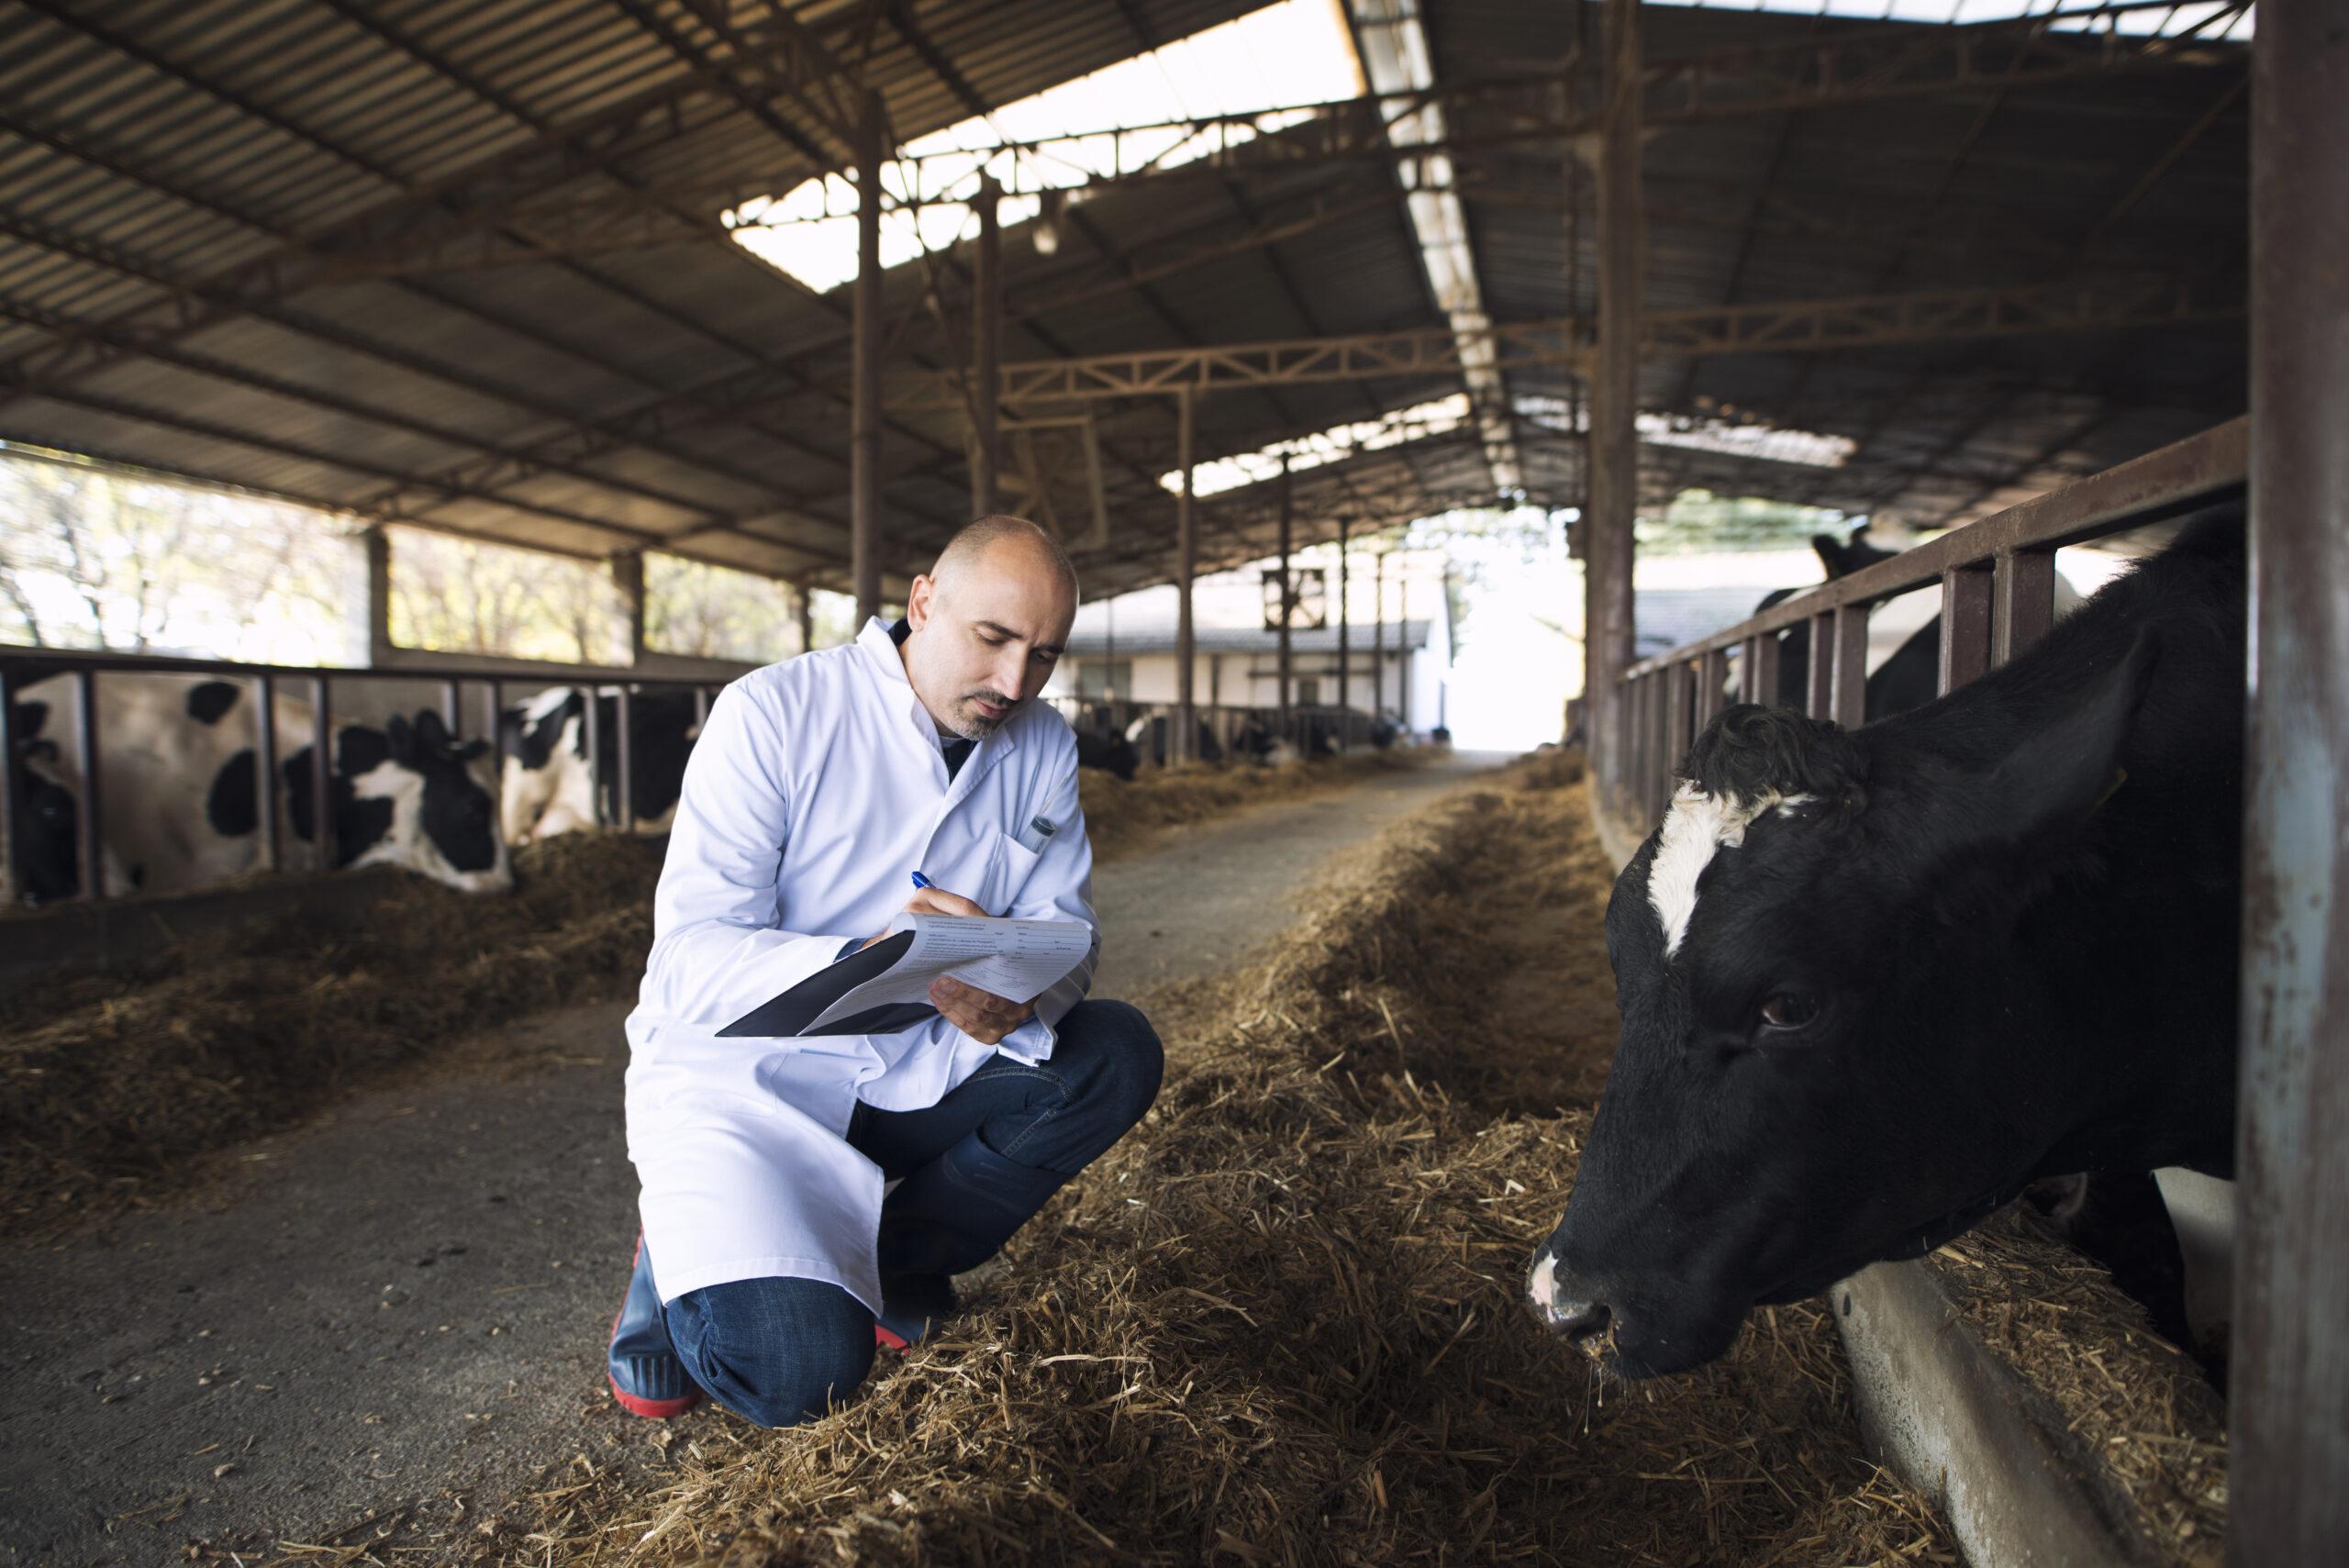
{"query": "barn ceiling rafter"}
{"type": "Point", "coordinates": [480, 278]}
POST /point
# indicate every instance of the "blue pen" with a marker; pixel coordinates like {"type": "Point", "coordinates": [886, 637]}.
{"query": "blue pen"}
{"type": "Point", "coordinates": [921, 881]}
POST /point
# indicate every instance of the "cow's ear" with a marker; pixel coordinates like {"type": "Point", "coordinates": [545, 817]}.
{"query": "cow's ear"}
{"type": "Point", "coordinates": [471, 748]}
{"type": "Point", "coordinates": [2064, 769]}
{"type": "Point", "coordinates": [431, 734]}
{"type": "Point", "coordinates": [400, 740]}
{"type": "Point", "coordinates": [28, 719]}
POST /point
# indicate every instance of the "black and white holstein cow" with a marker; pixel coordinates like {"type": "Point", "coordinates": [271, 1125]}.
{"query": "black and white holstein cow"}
{"type": "Point", "coordinates": [179, 806]}
{"type": "Point", "coordinates": [548, 787]}
{"type": "Point", "coordinates": [44, 826]}
{"type": "Point", "coordinates": [1874, 982]}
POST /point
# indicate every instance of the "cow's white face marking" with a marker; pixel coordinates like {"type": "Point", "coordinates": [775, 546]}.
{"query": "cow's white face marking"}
{"type": "Point", "coordinates": [408, 845]}
{"type": "Point", "coordinates": [1698, 825]}
{"type": "Point", "coordinates": [1544, 1287]}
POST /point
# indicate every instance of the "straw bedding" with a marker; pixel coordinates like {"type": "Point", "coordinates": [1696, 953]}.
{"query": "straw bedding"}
{"type": "Point", "coordinates": [111, 1084]}
{"type": "Point", "coordinates": [1280, 1323]}
{"type": "Point", "coordinates": [2134, 1410]}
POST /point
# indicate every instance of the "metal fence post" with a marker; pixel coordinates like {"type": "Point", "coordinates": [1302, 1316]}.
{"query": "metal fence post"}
{"type": "Point", "coordinates": [89, 833]}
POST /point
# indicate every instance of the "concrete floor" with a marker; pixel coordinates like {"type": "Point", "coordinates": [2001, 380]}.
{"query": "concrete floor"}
{"type": "Point", "coordinates": [387, 1322]}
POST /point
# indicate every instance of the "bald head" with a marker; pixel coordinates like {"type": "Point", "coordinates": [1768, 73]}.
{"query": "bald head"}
{"type": "Point", "coordinates": [987, 623]}
{"type": "Point", "coordinates": [976, 540]}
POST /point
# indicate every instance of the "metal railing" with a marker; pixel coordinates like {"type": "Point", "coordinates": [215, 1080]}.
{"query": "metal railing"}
{"type": "Point", "coordinates": [1315, 731]}
{"type": "Point", "coordinates": [1997, 582]}
{"type": "Point", "coordinates": [23, 667]}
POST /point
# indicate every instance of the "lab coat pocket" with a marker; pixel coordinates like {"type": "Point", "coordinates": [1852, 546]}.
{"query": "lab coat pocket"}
{"type": "Point", "coordinates": [1009, 866]}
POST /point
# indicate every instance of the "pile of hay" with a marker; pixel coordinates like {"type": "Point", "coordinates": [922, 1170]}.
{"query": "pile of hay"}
{"type": "Point", "coordinates": [110, 1084]}
{"type": "Point", "coordinates": [1281, 1323]}
{"type": "Point", "coordinates": [2132, 1410]}
{"type": "Point", "coordinates": [1121, 816]}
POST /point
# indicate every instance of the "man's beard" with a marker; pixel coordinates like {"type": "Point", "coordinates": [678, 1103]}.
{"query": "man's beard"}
{"type": "Point", "coordinates": [972, 723]}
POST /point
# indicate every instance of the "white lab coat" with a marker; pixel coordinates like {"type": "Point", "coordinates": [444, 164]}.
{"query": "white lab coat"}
{"type": "Point", "coordinates": [816, 787]}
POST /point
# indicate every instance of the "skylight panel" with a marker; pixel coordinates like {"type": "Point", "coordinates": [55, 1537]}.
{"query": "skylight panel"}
{"type": "Point", "coordinates": [2161, 19]}
{"type": "Point", "coordinates": [1120, 118]}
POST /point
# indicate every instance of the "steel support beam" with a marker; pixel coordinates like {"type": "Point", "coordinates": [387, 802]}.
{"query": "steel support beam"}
{"type": "Point", "coordinates": [1614, 441]}
{"type": "Point", "coordinates": [986, 350]}
{"type": "Point", "coordinates": [1288, 595]}
{"type": "Point", "coordinates": [864, 416]}
{"type": "Point", "coordinates": [1778, 328]}
{"type": "Point", "coordinates": [2287, 1406]}
{"type": "Point", "coordinates": [1186, 554]}
{"type": "Point", "coordinates": [1344, 697]}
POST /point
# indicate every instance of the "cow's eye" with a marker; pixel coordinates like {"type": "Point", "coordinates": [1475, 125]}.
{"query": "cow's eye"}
{"type": "Point", "coordinates": [1788, 1010]}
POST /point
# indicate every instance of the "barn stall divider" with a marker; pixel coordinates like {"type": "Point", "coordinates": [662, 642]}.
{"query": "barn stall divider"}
{"type": "Point", "coordinates": [445, 685]}
{"type": "Point", "coordinates": [1947, 1411]}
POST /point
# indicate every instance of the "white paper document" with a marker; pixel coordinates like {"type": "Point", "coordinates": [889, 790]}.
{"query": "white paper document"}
{"type": "Point", "coordinates": [1017, 960]}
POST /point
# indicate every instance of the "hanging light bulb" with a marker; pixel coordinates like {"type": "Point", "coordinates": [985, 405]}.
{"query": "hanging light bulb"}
{"type": "Point", "coordinates": [1048, 221]}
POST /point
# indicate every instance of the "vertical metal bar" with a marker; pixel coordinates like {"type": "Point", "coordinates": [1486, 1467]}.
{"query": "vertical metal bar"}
{"type": "Point", "coordinates": [1712, 687]}
{"type": "Point", "coordinates": [452, 712]}
{"type": "Point", "coordinates": [11, 871]}
{"type": "Point", "coordinates": [623, 717]}
{"type": "Point", "coordinates": [89, 833]}
{"type": "Point", "coordinates": [2022, 602]}
{"type": "Point", "coordinates": [1761, 675]}
{"type": "Point", "coordinates": [1186, 549]}
{"type": "Point", "coordinates": [1377, 634]}
{"type": "Point", "coordinates": [591, 725]}
{"type": "Point", "coordinates": [1345, 697]}
{"type": "Point", "coordinates": [986, 355]}
{"type": "Point", "coordinates": [1965, 626]}
{"type": "Point", "coordinates": [1289, 598]}
{"type": "Point", "coordinates": [497, 697]}
{"type": "Point", "coordinates": [1819, 702]}
{"type": "Point", "coordinates": [701, 708]}
{"type": "Point", "coordinates": [325, 840]}
{"type": "Point", "coordinates": [1659, 731]}
{"type": "Point", "coordinates": [864, 413]}
{"type": "Point", "coordinates": [2287, 1404]}
{"type": "Point", "coordinates": [1848, 679]}
{"type": "Point", "coordinates": [1613, 445]}
{"type": "Point", "coordinates": [1676, 689]}
{"type": "Point", "coordinates": [272, 851]}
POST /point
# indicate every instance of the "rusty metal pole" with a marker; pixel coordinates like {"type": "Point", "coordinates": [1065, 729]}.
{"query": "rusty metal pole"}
{"type": "Point", "coordinates": [864, 416]}
{"type": "Point", "coordinates": [986, 355]}
{"type": "Point", "coordinates": [1345, 710]}
{"type": "Point", "coordinates": [1614, 441]}
{"type": "Point", "coordinates": [2288, 1367]}
{"type": "Point", "coordinates": [1288, 604]}
{"type": "Point", "coordinates": [1186, 551]}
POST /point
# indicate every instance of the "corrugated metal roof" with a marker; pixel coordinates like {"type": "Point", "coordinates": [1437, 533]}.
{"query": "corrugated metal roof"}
{"type": "Point", "coordinates": [501, 303]}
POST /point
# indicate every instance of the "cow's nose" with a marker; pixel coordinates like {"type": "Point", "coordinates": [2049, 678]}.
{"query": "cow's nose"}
{"type": "Point", "coordinates": [1559, 1309]}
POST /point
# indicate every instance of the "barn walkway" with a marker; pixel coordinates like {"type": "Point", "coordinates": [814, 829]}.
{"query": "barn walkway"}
{"type": "Point", "coordinates": [385, 1324]}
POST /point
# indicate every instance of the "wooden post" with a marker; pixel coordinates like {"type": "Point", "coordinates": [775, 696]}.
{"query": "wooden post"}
{"type": "Point", "coordinates": [367, 598]}
{"type": "Point", "coordinates": [1614, 444]}
{"type": "Point", "coordinates": [2288, 1405]}
{"type": "Point", "coordinates": [804, 598]}
{"type": "Point", "coordinates": [1965, 626]}
{"type": "Point", "coordinates": [1288, 604]}
{"type": "Point", "coordinates": [1186, 561]}
{"type": "Point", "coordinates": [864, 416]}
{"type": "Point", "coordinates": [986, 350]}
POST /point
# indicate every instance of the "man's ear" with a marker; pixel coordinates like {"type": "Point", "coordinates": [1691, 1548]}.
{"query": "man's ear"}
{"type": "Point", "coordinates": [920, 602]}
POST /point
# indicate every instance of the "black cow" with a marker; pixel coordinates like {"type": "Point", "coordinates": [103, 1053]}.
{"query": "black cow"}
{"type": "Point", "coordinates": [1110, 753]}
{"type": "Point", "coordinates": [546, 785]}
{"type": "Point", "coordinates": [45, 824]}
{"type": "Point", "coordinates": [1874, 982]}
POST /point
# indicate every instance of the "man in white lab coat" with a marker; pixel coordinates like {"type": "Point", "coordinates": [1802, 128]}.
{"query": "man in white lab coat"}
{"type": "Point", "coordinates": [772, 1263]}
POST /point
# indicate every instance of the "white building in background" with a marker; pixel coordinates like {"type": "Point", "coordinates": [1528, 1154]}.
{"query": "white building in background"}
{"type": "Point", "coordinates": [1398, 662]}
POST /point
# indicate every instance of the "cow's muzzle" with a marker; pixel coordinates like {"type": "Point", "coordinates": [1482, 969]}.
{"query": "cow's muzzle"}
{"type": "Point", "coordinates": [1562, 1311]}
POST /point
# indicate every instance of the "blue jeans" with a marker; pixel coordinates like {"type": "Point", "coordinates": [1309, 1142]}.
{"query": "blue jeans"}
{"type": "Point", "coordinates": [783, 1351]}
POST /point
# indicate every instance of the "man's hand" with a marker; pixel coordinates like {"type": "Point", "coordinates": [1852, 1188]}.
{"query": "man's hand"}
{"type": "Point", "coordinates": [984, 1015]}
{"type": "Point", "coordinates": [933, 901]}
